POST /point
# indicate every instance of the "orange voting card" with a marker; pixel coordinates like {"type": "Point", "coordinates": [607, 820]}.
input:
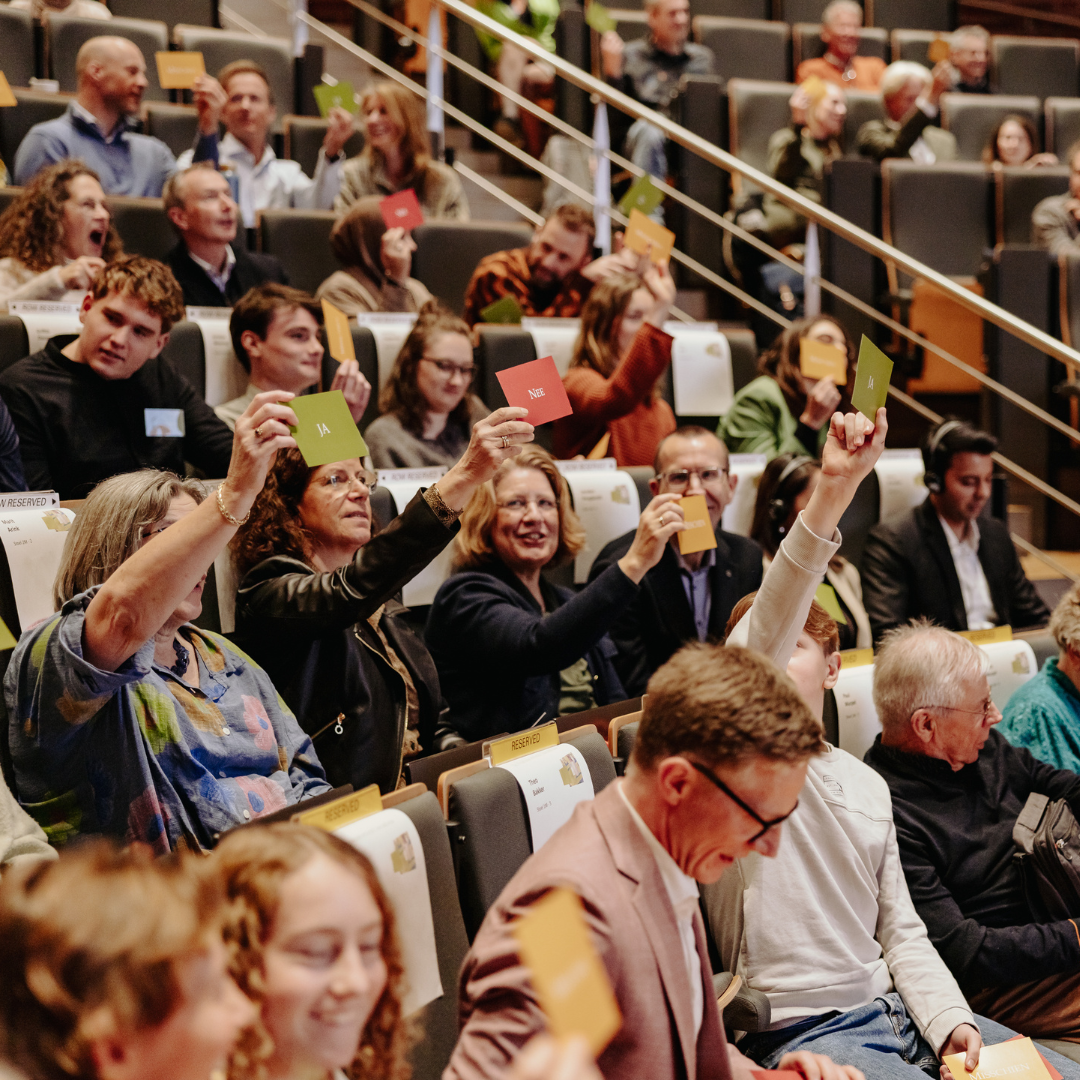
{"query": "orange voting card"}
{"type": "Point", "coordinates": [179, 70]}
{"type": "Point", "coordinates": [571, 983]}
{"type": "Point", "coordinates": [643, 231]}
{"type": "Point", "coordinates": [699, 536]}
{"type": "Point", "coordinates": [6, 96]}
{"type": "Point", "coordinates": [338, 334]}
{"type": "Point", "coordinates": [938, 50]}
{"type": "Point", "coordinates": [819, 360]}
{"type": "Point", "coordinates": [1016, 1059]}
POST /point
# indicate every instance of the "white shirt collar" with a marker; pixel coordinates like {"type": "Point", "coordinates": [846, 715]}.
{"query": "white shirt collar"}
{"type": "Point", "coordinates": [231, 147]}
{"type": "Point", "coordinates": [954, 541]}
{"type": "Point", "coordinates": [219, 277]}
{"type": "Point", "coordinates": [682, 889]}
{"type": "Point", "coordinates": [88, 117]}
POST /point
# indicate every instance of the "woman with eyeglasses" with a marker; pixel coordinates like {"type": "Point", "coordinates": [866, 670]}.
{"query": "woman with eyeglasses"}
{"type": "Point", "coordinates": [316, 600]}
{"type": "Point", "coordinates": [513, 649]}
{"type": "Point", "coordinates": [427, 410]}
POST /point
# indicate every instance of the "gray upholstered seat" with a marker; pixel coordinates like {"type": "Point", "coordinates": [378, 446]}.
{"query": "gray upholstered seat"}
{"type": "Point", "coordinates": [746, 48]}
{"type": "Point", "coordinates": [972, 117]}
{"type": "Point", "coordinates": [914, 14]}
{"type": "Point", "coordinates": [304, 137]}
{"type": "Point", "coordinates": [195, 12]}
{"type": "Point", "coordinates": [35, 107]}
{"type": "Point", "coordinates": [1062, 124]}
{"type": "Point", "coordinates": [806, 43]}
{"type": "Point", "coordinates": [301, 240]}
{"type": "Point", "coordinates": [1045, 67]}
{"type": "Point", "coordinates": [1017, 192]}
{"type": "Point", "coordinates": [175, 125]}
{"type": "Point", "coordinates": [16, 46]}
{"type": "Point", "coordinates": [912, 45]}
{"type": "Point", "coordinates": [67, 33]}
{"type": "Point", "coordinates": [142, 225]}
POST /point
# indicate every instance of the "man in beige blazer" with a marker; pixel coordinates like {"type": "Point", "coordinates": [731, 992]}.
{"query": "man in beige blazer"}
{"type": "Point", "coordinates": [718, 764]}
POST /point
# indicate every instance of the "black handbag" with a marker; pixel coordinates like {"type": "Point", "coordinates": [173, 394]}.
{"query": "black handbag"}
{"type": "Point", "coordinates": [1048, 840]}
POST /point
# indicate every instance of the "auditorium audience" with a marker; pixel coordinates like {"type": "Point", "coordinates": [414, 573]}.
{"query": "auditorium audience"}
{"type": "Point", "coordinates": [377, 263]}
{"type": "Point", "coordinates": [315, 946]}
{"type": "Point", "coordinates": [911, 95]}
{"type": "Point", "coordinates": [620, 357]}
{"type": "Point", "coordinates": [957, 789]}
{"type": "Point", "coordinates": [397, 155]}
{"type": "Point", "coordinates": [265, 181]}
{"type": "Point", "coordinates": [99, 127]}
{"type": "Point", "coordinates": [114, 967]}
{"type": "Point", "coordinates": [427, 409]}
{"type": "Point", "coordinates": [22, 839]}
{"type": "Point", "coordinates": [544, 649]}
{"type": "Point", "coordinates": [1015, 141]}
{"type": "Point", "coordinates": [683, 597]}
{"type": "Point", "coordinates": [969, 55]}
{"type": "Point", "coordinates": [212, 269]}
{"type": "Point", "coordinates": [1043, 715]}
{"type": "Point", "coordinates": [783, 491]}
{"type": "Point", "coordinates": [275, 336]}
{"type": "Point", "coordinates": [126, 718]}
{"type": "Point", "coordinates": [316, 603]}
{"type": "Point", "coordinates": [1055, 222]}
{"type": "Point", "coordinates": [783, 411]}
{"type": "Point", "coordinates": [841, 22]}
{"type": "Point", "coordinates": [55, 236]}
{"type": "Point", "coordinates": [943, 560]}
{"type": "Point", "coordinates": [102, 402]}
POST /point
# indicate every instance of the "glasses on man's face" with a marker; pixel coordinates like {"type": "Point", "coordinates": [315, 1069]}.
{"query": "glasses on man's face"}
{"type": "Point", "coordinates": [518, 505]}
{"type": "Point", "coordinates": [450, 369]}
{"type": "Point", "coordinates": [765, 825]}
{"type": "Point", "coordinates": [984, 712]}
{"type": "Point", "coordinates": [338, 483]}
{"type": "Point", "coordinates": [679, 479]}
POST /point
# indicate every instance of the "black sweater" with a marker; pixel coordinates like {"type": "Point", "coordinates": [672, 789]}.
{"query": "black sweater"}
{"type": "Point", "coordinates": [954, 830]}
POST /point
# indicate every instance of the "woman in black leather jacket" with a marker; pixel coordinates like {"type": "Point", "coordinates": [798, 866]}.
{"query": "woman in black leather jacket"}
{"type": "Point", "coordinates": [316, 601]}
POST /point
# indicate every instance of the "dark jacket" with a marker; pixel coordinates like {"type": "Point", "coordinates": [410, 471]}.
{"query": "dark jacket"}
{"type": "Point", "coordinates": [659, 620]}
{"type": "Point", "coordinates": [77, 429]}
{"type": "Point", "coordinates": [907, 572]}
{"type": "Point", "coordinates": [310, 631]}
{"type": "Point", "coordinates": [954, 830]}
{"type": "Point", "coordinates": [499, 657]}
{"type": "Point", "coordinates": [881, 139]}
{"type": "Point", "coordinates": [252, 268]}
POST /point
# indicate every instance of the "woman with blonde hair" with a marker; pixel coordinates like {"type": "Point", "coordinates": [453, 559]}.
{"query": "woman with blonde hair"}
{"type": "Point", "coordinates": [397, 156]}
{"type": "Point", "coordinates": [620, 357]}
{"type": "Point", "coordinates": [512, 648]}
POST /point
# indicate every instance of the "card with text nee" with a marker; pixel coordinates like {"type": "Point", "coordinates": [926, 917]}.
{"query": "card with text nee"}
{"type": "Point", "coordinates": [504, 310]}
{"type": "Point", "coordinates": [339, 96]}
{"type": "Point", "coordinates": [571, 983]}
{"type": "Point", "coordinates": [402, 210]}
{"type": "Point", "coordinates": [871, 386]}
{"type": "Point", "coordinates": [643, 195]}
{"type": "Point", "coordinates": [6, 96]}
{"type": "Point", "coordinates": [326, 431]}
{"type": "Point", "coordinates": [643, 231]}
{"type": "Point", "coordinates": [1016, 1059]}
{"type": "Point", "coordinates": [338, 333]}
{"type": "Point", "coordinates": [820, 360]}
{"type": "Point", "coordinates": [699, 536]}
{"type": "Point", "coordinates": [538, 387]}
{"type": "Point", "coordinates": [179, 70]}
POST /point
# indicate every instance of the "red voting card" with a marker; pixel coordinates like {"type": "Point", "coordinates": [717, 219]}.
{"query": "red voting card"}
{"type": "Point", "coordinates": [536, 386]}
{"type": "Point", "coordinates": [402, 211]}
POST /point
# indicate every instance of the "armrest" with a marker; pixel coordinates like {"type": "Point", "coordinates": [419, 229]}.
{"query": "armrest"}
{"type": "Point", "coordinates": [742, 1009]}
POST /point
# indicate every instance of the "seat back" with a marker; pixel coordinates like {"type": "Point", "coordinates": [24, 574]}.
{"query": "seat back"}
{"type": "Point", "coordinates": [1062, 124]}
{"type": "Point", "coordinates": [1043, 644]}
{"type": "Point", "coordinates": [142, 225]}
{"type": "Point", "coordinates": [447, 253]}
{"type": "Point", "coordinates": [857, 718]}
{"type": "Point", "coordinates": [972, 117]}
{"type": "Point", "coordinates": [806, 43]}
{"type": "Point", "coordinates": [14, 341]}
{"type": "Point", "coordinates": [68, 33]}
{"type": "Point", "coordinates": [744, 353]}
{"type": "Point", "coordinates": [35, 107]}
{"type": "Point", "coordinates": [735, 9]}
{"type": "Point", "coordinates": [185, 353]}
{"type": "Point", "coordinates": [915, 14]}
{"type": "Point", "coordinates": [195, 12]}
{"type": "Point", "coordinates": [1045, 67]}
{"type": "Point", "coordinates": [746, 48]}
{"type": "Point", "coordinates": [1017, 191]}
{"type": "Point", "coordinates": [625, 739]}
{"type": "Point", "coordinates": [300, 239]}
{"type": "Point", "coordinates": [912, 45]}
{"type": "Point", "coordinates": [798, 11]}
{"type": "Point", "coordinates": [630, 24]}
{"type": "Point", "coordinates": [862, 106]}
{"type": "Point", "coordinates": [16, 46]}
{"type": "Point", "coordinates": [304, 138]}
{"type": "Point", "coordinates": [860, 517]}
{"type": "Point", "coordinates": [175, 125]}
{"type": "Point", "coordinates": [756, 109]}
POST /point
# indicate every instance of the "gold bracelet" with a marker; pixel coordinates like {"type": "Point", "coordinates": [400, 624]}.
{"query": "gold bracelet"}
{"type": "Point", "coordinates": [225, 513]}
{"type": "Point", "coordinates": [434, 499]}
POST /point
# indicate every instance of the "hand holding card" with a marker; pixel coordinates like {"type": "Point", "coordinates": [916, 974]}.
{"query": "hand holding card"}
{"type": "Point", "coordinates": [870, 389]}
{"type": "Point", "coordinates": [179, 70]}
{"type": "Point", "coordinates": [402, 210]}
{"type": "Point", "coordinates": [698, 535]}
{"type": "Point", "coordinates": [644, 235]}
{"type": "Point", "coordinates": [536, 386]}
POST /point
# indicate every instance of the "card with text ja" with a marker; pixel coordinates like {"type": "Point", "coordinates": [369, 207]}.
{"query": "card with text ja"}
{"type": "Point", "coordinates": [870, 389]}
{"type": "Point", "coordinates": [571, 982]}
{"type": "Point", "coordinates": [820, 360]}
{"type": "Point", "coordinates": [538, 387]}
{"type": "Point", "coordinates": [643, 232]}
{"type": "Point", "coordinates": [338, 333]}
{"type": "Point", "coordinates": [642, 195]}
{"type": "Point", "coordinates": [699, 536]}
{"type": "Point", "coordinates": [1016, 1059]}
{"type": "Point", "coordinates": [326, 431]}
{"type": "Point", "coordinates": [504, 310]}
{"type": "Point", "coordinates": [341, 96]}
{"type": "Point", "coordinates": [402, 210]}
{"type": "Point", "coordinates": [179, 70]}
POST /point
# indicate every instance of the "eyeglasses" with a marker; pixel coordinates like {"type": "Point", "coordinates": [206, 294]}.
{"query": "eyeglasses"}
{"type": "Point", "coordinates": [679, 479]}
{"type": "Point", "coordinates": [984, 712]}
{"type": "Point", "coordinates": [765, 825]}
{"type": "Point", "coordinates": [547, 507]}
{"type": "Point", "coordinates": [448, 367]}
{"type": "Point", "coordinates": [339, 484]}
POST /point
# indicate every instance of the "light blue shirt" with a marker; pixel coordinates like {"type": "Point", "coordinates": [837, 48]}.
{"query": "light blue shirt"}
{"type": "Point", "coordinates": [698, 589]}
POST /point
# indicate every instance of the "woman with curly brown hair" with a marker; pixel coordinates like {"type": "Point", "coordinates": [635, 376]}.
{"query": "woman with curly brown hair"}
{"type": "Point", "coordinates": [620, 356]}
{"type": "Point", "coordinates": [56, 236]}
{"type": "Point", "coordinates": [315, 946]}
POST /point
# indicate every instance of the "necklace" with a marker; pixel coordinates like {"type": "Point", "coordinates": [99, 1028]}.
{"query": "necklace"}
{"type": "Point", "coordinates": [183, 658]}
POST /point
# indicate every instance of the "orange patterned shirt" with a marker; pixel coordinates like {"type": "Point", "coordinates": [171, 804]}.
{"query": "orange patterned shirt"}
{"type": "Point", "coordinates": [507, 273]}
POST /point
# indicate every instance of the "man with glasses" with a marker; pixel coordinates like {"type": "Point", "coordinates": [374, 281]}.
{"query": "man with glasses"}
{"type": "Point", "coordinates": [684, 597]}
{"type": "Point", "coordinates": [957, 791]}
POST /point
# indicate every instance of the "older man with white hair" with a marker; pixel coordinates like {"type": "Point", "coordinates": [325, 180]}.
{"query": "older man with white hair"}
{"type": "Point", "coordinates": [841, 22]}
{"type": "Point", "coordinates": [910, 94]}
{"type": "Point", "coordinates": [957, 790]}
{"type": "Point", "coordinates": [969, 55]}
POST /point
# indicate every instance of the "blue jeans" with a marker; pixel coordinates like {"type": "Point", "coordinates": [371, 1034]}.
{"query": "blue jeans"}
{"type": "Point", "coordinates": [880, 1039]}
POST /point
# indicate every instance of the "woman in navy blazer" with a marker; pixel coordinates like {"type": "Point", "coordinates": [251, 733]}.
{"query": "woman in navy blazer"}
{"type": "Point", "coordinates": [512, 648]}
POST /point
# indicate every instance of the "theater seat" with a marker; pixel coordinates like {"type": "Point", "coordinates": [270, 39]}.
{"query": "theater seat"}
{"type": "Point", "coordinates": [142, 225]}
{"type": "Point", "coordinates": [16, 46]}
{"type": "Point", "coordinates": [68, 33]}
{"type": "Point", "coordinates": [1062, 124]}
{"type": "Point", "coordinates": [304, 137]}
{"type": "Point", "coordinates": [746, 48]}
{"type": "Point", "coordinates": [195, 12]}
{"type": "Point", "coordinates": [912, 45]}
{"type": "Point", "coordinates": [862, 106]}
{"type": "Point", "coordinates": [744, 354]}
{"type": "Point", "coordinates": [972, 117]}
{"type": "Point", "coordinates": [1017, 191]}
{"type": "Point", "coordinates": [367, 358]}
{"type": "Point", "coordinates": [915, 14]}
{"type": "Point", "coordinates": [756, 108]}
{"type": "Point", "coordinates": [184, 353]}
{"type": "Point", "coordinates": [175, 125]}
{"type": "Point", "coordinates": [806, 43]}
{"type": "Point", "coordinates": [35, 107]}
{"type": "Point", "coordinates": [859, 518]}
{"type": "Point", "coordinates": [14, 341]}
{"type": "Point", "coordinates": [630, 24]}
{"type": "Point", "coordinates": [301, 240]}
{"type": "Point", "coordinates": [1045, 67]}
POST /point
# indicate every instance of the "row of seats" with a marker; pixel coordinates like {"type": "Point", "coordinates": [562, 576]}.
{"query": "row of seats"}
{"type": "Point", "coordinates": [936, 15]}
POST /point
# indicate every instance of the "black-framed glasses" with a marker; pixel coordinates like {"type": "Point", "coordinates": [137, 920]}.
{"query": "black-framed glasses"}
{"type": "Point", "coordinates": [765, 825]}
{"type": "Point", "coordinates": [679, 479]}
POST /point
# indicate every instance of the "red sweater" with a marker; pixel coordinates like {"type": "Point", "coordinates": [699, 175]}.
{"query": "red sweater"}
{"type": "Point", "coordinates": [619, 404]}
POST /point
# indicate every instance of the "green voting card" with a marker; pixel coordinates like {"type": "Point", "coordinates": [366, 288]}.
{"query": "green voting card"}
{"type": "Point", "coordinates": [599, 18]}
{"type": "Point", "coordinates": [643, 195]}
{"type": "Point", "coordinates": [505, 310]}
{"type": "Point", "coordinates": [341, 95]}
{"type": "Point", "coordinates": [7, 638]}
{"type": "Point", "coordinates": [827, 598]}
{"type": "Point", "coordinates": [871, 387]}
{"type": "Point", "coordinates": [327, 431]}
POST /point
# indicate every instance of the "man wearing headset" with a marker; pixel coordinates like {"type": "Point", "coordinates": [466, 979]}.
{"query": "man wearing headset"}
{"type": "Point", "coordinates": [941, 560]}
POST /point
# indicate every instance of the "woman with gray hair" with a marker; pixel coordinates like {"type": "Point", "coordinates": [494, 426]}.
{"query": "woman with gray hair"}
{"type": "Point", "coordinates": [126, 718]}
{"type": "Point", "coordinates": [1044, 714]}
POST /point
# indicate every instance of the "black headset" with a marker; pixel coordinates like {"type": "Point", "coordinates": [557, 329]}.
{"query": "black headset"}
{"type": "Point", "coordinates": [931, 476]}
{"type": "Point", "coordinates": [778, 506]}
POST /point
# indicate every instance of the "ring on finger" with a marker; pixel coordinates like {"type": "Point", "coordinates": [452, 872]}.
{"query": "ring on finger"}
{"type": "Point", "coordinates": [506, 442]}
{"type": "Point", "coordinates": [258, 432]}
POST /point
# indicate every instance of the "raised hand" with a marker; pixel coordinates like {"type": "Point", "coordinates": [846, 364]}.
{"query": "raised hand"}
{"type": "Point", "coordinates": [659, 522]}
{"type": "Point", "coordinates": [821, 403]}
{"type": "Point", "coordinates": [494, 439]}
{"type": "Point", "coordinates": [357, 390]}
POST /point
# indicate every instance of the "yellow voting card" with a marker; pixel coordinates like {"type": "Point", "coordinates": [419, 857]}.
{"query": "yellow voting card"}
{"type": "Point", "coordinates": [7, 638]}
{"type": "Point", "coordinates": [699, 536]}
{"type": "Point", "coordinates": [179, 70]}
{"type": "Point", "coordinates": [643, 232]}
{"type": "Point", "coordinates": [571, 983]}
{"type": "Point", "coordinates": [1016, 1059]}
{"type": "Point", "coordinates": [6, 96]}
{"type": "Point", "coordinates": [826, 597]}
{"type": "Point", "coordinates": [338, 333]}
{"type": "Point", "coordinates": [938, 50]}
{"type": "Point", "coordinates": [820, 360]}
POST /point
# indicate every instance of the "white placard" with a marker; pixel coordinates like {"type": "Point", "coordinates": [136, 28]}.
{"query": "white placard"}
{"type": "Point", "coordinates": [1012, 663]}
{"type": "Point", "coordinates": [390, 841]}
{"type": "Point", "coordinates": [44, 320]}
{"type": "Point", "coordinates": [738, 515]}
{"type": "Point", "coordinates": [28, 500]}
{"type": "Point", "coordinates": [390, 329]}
{"type": "Point", "coordinates": [553, 781]}
{"type": "Point", "coordinates": [403, 484]}
{"type": "Point", "coordinates": [858, 719]}
{"type": "Point", "coordinates": [900, 478]}
{"type": "Point", "coordinates": [34, 543]}
{"type": "Point", "coordinates": [226, 378]}
{"type": "Point", "coordinates": [608, 505]}
{"type": "Point", "coordinates": [555, 338]}
{"type": "Point", "coordinates": [701, 373]}
{"type": "Point", "coordinates": [603, 464]}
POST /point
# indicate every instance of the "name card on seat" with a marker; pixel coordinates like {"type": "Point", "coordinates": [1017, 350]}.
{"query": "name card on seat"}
{"type": "Point", "coordinates": [701, 371]}
{"type": "Point", "coordinates": [34, 543]}
{"type": "Point", "coordinates": [44, 320]}
{"type": "Point", "coordinates": [900, 480]}
{"type": "Point", "coordinates": [390, 329]}
{"type": "Point", "coordinates": [739, 513]}
{"type": "Point", "coordinates": [1012, 663]}
{"type": "Point", "coordinates": [607, 503]}
{"type": "Point", "coordinates": [555, 338]}
{"type": "Point", "coordinates": [857, 719]}
{"type": "Point", "coordinates": [226, 378]}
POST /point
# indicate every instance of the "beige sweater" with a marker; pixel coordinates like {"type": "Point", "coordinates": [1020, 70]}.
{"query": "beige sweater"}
{"type": "Point", "coordinates": [19, 283]}
{"type": "Point", "coordinates": [21, 837]}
